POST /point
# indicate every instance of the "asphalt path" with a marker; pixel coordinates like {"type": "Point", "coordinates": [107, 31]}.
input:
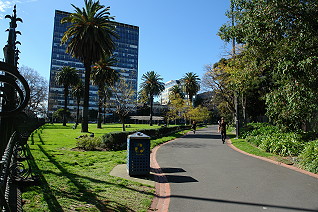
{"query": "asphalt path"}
{"type": "Point", "coordinates": [207, 175]}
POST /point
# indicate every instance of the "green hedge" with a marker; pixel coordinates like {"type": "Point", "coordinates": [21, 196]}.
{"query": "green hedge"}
{"type": "Point", "coordinates": [272, 139]}
{"type": "Point", "coordinates": [118, 140]}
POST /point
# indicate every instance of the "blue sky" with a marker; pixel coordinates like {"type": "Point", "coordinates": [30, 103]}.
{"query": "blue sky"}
{"type": "Point", "coordinates": [176, 36]}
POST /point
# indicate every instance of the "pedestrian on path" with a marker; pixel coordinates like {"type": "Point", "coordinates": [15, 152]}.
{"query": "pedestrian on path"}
{"type": "Point", "coordinates": [194, 126]}
{"type": "Point", "coordinates": [222, 129]}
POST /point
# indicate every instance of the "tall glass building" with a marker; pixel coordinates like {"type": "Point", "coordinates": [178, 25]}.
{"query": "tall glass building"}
{"type": "Point", "coordinates": [126, 53]}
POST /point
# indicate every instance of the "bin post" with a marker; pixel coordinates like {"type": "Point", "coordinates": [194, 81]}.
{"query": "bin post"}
{"type": "Point", "coordinates": [138, 154]}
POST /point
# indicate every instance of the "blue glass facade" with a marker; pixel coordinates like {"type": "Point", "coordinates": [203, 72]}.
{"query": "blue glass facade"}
{"type": "Point", "coordinates": [126, 53]}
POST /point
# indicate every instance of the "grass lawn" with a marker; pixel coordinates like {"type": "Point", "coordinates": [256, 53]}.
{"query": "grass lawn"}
{"type": "Point", "coordinates": [79, 180]}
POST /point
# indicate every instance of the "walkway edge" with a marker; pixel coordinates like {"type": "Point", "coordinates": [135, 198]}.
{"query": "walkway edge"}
{"type": "Point", "coordinates": [161, 201]}
{"type": "Point", "coordinates": [229, 143]}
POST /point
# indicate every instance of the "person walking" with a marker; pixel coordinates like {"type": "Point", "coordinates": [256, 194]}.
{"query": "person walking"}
{"type": "Point", "coordinates": [194, 126]}
{"type": "Point", "coordinates": [222, 129]}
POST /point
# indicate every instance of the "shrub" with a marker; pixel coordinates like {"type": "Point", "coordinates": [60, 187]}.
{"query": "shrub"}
{"type": "Point", "coordinates": [254, 129]}
{"type": "Point", "coordinates": [115, 141]}
{"type": "Point", "coordinates": [89, 143]}
{"type": "Point", "coordinates": [271, 139]}
{"type": "Point", "coordinates": [153, 133]}
{"type": "Point", "coordinates": [118, 140]}
{"type": "Point", "coordinates": [256, 140]}
{"type": "Point", "coordinates": [288, 144]}
{"type": "Point", "coordinates": [309, 157]}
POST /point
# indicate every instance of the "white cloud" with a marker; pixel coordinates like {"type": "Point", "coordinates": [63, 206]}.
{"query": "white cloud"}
{"type": "Point", "coordinates": [4, 5]}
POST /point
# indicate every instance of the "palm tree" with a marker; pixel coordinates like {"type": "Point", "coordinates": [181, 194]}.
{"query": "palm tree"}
{"type": "Point", "coordinates": [78, 92]}
{"type": "Point", "coordinates": [89, 38]}
{"type": "Point", "coordinates": [103, 76]}
{"type": "Point", "coordinates": [66, 77]}
{"type": "Point", "coordinates": [152, 85]}
{"type": "Point", "coordinates": [176, 90]}
{"type": "Point", "coordinates": [191, 84]}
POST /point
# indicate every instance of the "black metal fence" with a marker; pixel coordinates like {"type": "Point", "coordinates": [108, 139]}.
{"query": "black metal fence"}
{"type": "Point", "coordinates": [15, 169]}
{"type": "Point", "coordinates": [9, 196]}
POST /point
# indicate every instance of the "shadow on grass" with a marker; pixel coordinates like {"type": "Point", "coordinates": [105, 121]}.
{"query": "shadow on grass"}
{"type": "Point", "coordinates": [87, 195]}
{"type": "Point", "coordinates": [40, 138]}
{"type": "Point", "coordinates": [32, 138]}
{"type": "Point", "coordinates": [49, 197]}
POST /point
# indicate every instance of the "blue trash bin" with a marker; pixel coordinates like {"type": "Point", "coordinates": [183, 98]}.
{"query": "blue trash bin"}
{"type": "Point", "coordinates": [138, 154]}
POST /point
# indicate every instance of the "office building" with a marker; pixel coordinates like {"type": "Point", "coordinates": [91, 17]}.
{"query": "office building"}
{"type": "Point", "coordinates": [168, 87]}
{"type": "Point", "coordinates": [126, 53]}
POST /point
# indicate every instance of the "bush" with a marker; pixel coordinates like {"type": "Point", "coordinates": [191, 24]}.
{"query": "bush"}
{"type": "Point", "coordinates": [288, 144]}
{"type": "Point", "coordinates": [89, 143]}
{"type": "Point", "coordinates": [254, 129]}
{"type": "Point", "coordinates": [309, 157]}
{"type": "Point", "coordinates": [271, 139]}
{"type": "Point", "coordinates": [115, 141]}
{"type": "Point", "coordinates": [152, 133]}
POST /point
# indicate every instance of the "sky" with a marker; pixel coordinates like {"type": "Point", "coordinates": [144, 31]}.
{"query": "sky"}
{"type": "Point", "coordinates": [175, 36]}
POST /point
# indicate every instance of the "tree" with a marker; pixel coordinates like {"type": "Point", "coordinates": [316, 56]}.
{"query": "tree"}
{"type": "Point", "coordinates": [39, 91]}
{"type": "Point", "coordinates": [78, 92]}
{"type": "Point", "coordinates": [217, 79]}
{"type": "Point", "coordinates": [177, 108]}
{"type": "Point", "coordinates": [176, 90]}
{"type": "Point", "coordinates": [152, 86]}
{"type": "Point", "coordinates": [103, 76]}
{"type": "Point", "coordinates": [282, 35]}
{"type": "Point", "coordinates": [89, 38]}
{"type": "Point", "coordinates": [125, 102]}
{"type": "Point", "coordinates": [191, 84]}
{"type": "Point", "coordinates": [66, 77]}
{"type": "Point", "coordinates": [199, 114]}
{"type": "Point", "coordinates": [59, 114]}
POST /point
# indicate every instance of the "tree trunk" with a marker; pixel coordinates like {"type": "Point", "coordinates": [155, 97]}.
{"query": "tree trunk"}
{"type": "Point", "coordinates": [86, 97]}
{"type": "Point", "coordinates": [190, 99]}
{"type": "Point", "coordinates": [123, 123]}
{"type": "Point", "coordinates": [65, 105]}
{"type": "Point", "coordinates": [104, 119]}
{"type": "Point", "coordinates": [151, 108]}
{"type": "Point", "coordinates": [77, 111]}
{"type": "Point", "coordinates": [99, 116]}
{"type": "Point", "coordinates": [244, 109]}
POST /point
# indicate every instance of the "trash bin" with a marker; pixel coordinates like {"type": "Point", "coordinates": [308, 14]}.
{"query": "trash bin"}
{"type": "Point", "coordinates": [138, 154]}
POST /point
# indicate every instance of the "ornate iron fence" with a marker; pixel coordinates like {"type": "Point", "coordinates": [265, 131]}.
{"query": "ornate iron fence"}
{"type": "Point", "coordinates": [15, 169]}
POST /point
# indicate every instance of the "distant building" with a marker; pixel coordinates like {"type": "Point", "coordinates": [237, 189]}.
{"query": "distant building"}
{"type": "Point", "coordinates": [168, 87]}
{"type": "Point", "coordinates": [205, 99]}
{"type": "Point", "coordinates": [126, 53]}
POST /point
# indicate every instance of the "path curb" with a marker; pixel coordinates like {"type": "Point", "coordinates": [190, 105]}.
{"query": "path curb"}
{"type": "Point", "coordinates": [161, 201]}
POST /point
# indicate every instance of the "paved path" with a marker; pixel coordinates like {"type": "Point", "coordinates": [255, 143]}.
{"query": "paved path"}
{"type": "Point", "coordinates": [206, 175]}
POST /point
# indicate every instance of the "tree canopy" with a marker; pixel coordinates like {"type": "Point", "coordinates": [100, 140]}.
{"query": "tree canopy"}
{"type": "Point", "coordinates": [151, 86]}
{"type": "Point", "coordinates": [278, 56]}
{"type": "Point", "coordinates": [89, 38]}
